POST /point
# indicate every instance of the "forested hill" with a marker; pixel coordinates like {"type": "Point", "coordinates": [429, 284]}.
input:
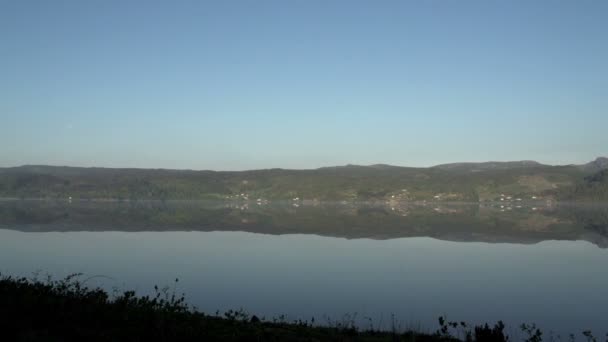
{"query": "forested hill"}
{"type": "Point", "coordinates": [525, 180]}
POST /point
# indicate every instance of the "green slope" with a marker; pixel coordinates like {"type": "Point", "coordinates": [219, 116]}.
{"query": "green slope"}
{"type": "Point", "coordinates": [451, 182]}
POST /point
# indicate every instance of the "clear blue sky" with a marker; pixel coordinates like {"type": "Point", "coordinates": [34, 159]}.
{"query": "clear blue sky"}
{"type": "Point", "coordinates": [232, 85]}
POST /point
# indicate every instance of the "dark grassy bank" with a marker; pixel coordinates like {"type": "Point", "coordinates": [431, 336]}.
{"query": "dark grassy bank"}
{"type": "Point", "coordinates": [32, 310]}
{"type": "Point", "coordinates": [67, 310]}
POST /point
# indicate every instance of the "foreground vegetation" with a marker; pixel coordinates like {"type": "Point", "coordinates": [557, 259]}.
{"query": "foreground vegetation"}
{"type": "Point", "coordinates": [67, 310]}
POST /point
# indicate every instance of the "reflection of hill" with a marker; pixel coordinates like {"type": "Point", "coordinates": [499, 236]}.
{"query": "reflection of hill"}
{"type": "Point", "coordinates": [442, 221]}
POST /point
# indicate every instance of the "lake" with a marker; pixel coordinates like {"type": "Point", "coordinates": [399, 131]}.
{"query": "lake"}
{"type": "Point", "coordinates": [527, 262]}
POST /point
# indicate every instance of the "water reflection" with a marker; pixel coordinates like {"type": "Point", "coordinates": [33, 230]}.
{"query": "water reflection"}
{"type": "Point", "coordinates": [560, 285]}
{"type": "Point", "coordinates": [513, 222]}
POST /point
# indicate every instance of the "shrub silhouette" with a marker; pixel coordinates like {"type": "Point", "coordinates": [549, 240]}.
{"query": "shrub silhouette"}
{"type": "Point", "coordinates": [67, 310]}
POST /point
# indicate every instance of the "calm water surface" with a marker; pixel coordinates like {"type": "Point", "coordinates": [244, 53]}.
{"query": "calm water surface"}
{"type": "Point", "coordinates": [546, 265]}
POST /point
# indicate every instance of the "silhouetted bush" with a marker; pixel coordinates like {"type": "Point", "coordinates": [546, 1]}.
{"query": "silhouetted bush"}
{"type": "Point", "coordinates": [67, 310]}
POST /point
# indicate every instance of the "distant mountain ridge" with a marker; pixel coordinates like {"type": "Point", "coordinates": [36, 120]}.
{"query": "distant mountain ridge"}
{"type": "Point", "coordinates": [600, 163]}
{"type": "Point", "coordinates": [486, 181]}
{"type": "Point", "coordinates": [492, 165]}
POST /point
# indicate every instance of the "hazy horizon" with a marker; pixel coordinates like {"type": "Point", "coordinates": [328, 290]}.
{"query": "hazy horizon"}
{"type": "Point", "coordinates": [301, 85]}
{"type": "Point", "coordinates": [309, 168]}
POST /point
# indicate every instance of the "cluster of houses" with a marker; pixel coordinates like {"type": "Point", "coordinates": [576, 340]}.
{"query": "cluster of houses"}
{"type": "Point", "coordinates": [242, 196]}
{"type": "Point", "coordinates": [403, 195]}
{"type": "Point", "coordinates": [508, 198]}
{"type": "Point", "coordinates": [245, 197]}
{"type": "Point", "coordinates": [447, 196]}
{"type": "Point", "coordinates": [509, 202]}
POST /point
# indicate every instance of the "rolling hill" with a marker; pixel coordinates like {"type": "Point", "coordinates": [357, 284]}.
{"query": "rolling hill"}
{"type": "Point", "coordinates": [524, 180]}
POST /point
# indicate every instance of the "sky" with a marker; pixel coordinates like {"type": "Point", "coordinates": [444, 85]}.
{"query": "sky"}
{"type": "Point", "coordinates": [233, 85]}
